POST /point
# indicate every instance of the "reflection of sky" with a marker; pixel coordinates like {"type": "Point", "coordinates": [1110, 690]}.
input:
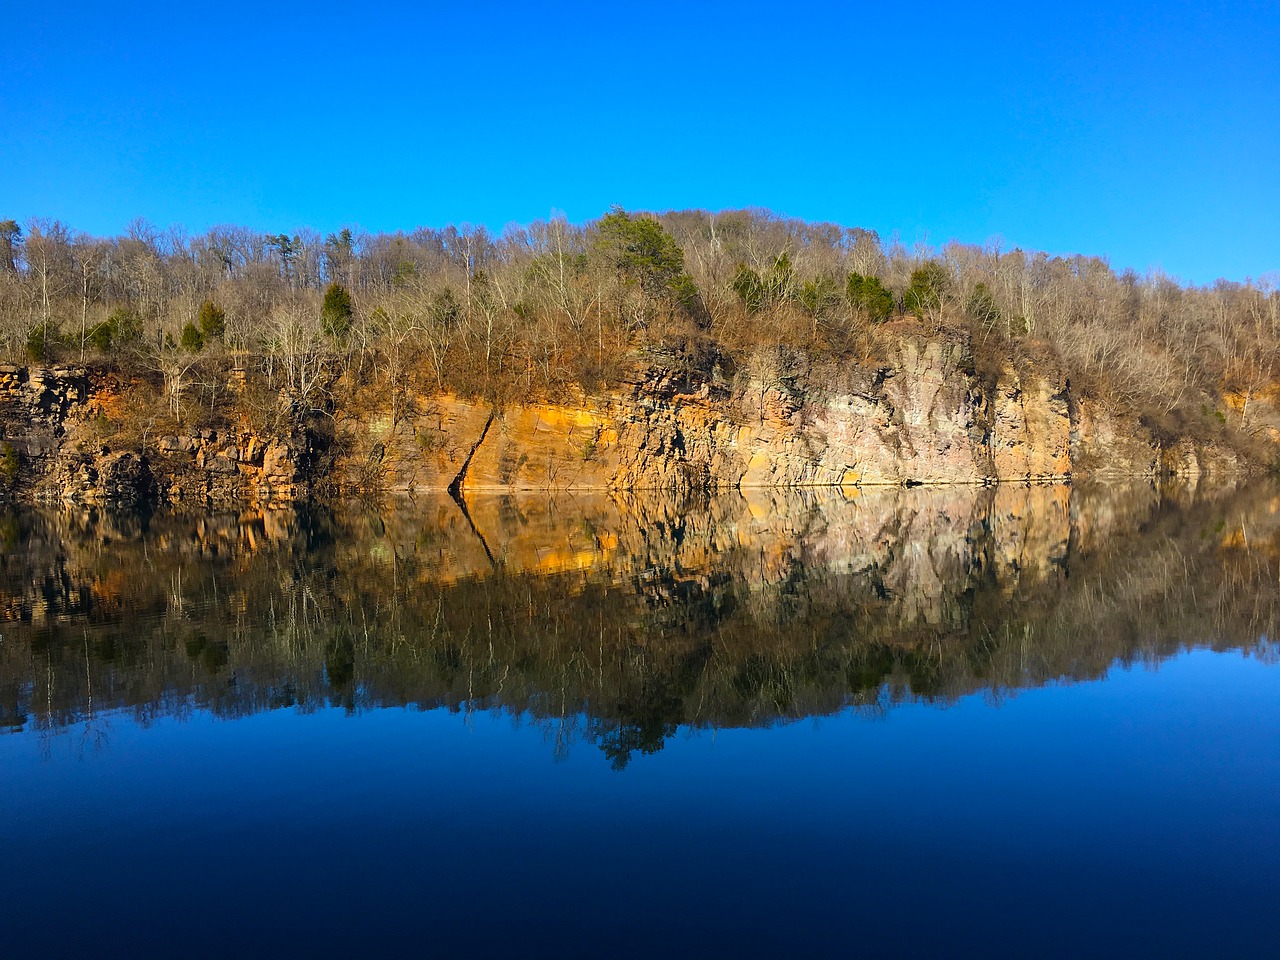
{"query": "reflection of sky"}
{"type": "Point", "coordinates": [1135, 816]}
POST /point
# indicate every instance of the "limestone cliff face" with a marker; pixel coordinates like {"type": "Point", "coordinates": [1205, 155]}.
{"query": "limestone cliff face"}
{"type": "Point", "coordinates": [922, 418]}
{"type": "Point", "coordinates": [920, 415]}
{"type": "Point", "coordinates": [1106, 446]}
{"type": "Point", "coordinates": [60, 428]}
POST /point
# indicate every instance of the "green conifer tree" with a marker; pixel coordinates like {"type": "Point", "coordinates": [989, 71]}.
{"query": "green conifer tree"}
{"type": "Point", "coordinates": [211, 321]}
{"type": "Point", "coordinates": [192, 341]}
{"type": "Point", "coordinates": [336, 313]}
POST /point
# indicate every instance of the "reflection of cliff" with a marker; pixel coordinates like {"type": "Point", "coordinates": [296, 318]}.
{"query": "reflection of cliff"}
{"type": "Point", "coordinates": [619, 619]}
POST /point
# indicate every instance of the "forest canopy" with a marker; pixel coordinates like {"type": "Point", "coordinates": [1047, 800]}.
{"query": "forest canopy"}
{"type": "Point", "coordinates": [547, 305]}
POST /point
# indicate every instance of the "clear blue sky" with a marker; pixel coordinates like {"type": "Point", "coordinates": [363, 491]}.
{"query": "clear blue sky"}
{"type": "Point", "coordinates": [1149, 133]}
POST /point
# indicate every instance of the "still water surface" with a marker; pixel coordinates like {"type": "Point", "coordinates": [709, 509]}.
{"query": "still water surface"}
{"type": "Point", "coordinates": [1011, 722]}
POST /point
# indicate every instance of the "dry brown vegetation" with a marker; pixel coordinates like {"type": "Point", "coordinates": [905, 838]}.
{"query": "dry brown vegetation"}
{"type": "Point", "coordinates": [550, 306]}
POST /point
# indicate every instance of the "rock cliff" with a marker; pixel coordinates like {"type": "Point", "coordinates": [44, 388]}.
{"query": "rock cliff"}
{"type": "Point", "coordinates": [87, 436]}
{"type": "Point", "coordinates": [920, 415]}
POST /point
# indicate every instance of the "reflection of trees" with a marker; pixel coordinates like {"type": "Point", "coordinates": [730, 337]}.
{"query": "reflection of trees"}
{"type": "Point", "coordinates": [619, 622]}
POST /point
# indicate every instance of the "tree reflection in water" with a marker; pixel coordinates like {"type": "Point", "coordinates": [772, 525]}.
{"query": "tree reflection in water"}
{"type": "Point", "coordinates": [620, 619]}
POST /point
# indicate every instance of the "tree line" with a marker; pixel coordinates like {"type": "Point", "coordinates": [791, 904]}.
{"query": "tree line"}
{"type": "Point", "coordinates": [550, 304]}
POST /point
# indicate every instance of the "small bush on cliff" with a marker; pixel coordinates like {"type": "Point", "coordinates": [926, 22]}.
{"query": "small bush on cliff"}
{"type": "Point", "coordinates": [686, 296]}
{"type": "Point", "coordinates": [749, 288]}
{"type": "Point", "coordinates": [870, 299]}
{"type": "Point", "coordinates": [192, 341]}
{"type": "Point", "coordinates": [39, 345]}
{"type": "Point", "coordinates": [211, 321]}
{"type": "Point", "coordinates": [781, 279]}
{"type": "Point", "coordinates": [122, 326]}
{"type": "Point", "coordinates": [431, 441]}
{"type": "Point", "coordinates": [8, 465]}
{"type": "Point", "coordinates": [778, 286]}
{"type": "Point", "coordinates": [924, 292]}
{"type": "Point", "coordinates": [820, 296]}
{"type": "Point", "coordinates": [100, 337]}
{"type": "Point", "coordinates": [982, 308]}
{"type": "Point", "coordinates": [336, 313]}
{"type": "Point", "coordinates": [126, 325]}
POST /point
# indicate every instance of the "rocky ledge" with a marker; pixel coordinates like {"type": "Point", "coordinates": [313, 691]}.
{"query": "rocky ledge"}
{"type": "Point", "coordinates": [921, 415]}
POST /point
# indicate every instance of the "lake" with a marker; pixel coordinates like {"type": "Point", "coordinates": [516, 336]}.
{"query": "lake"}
{"type": "Point", "coordinates": [1010, 721]}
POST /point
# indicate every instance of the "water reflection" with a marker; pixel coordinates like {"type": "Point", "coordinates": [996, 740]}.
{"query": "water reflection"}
{"type": "Point", "coordinates": [617, 620]}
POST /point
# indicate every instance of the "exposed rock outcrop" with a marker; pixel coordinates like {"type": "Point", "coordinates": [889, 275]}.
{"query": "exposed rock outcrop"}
{"type": "Point", "coordinates": [62, 427]}
{"type": "Point", "coordinates": [923, 418]}
{"type": "Point", "coordinates": [920, 414]}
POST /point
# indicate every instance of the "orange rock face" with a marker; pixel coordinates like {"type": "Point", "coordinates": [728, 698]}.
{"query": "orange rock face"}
{"type": "Point", "coordinates": [923, 419]}
{"type": "Point", "coordinates": [921, 414]}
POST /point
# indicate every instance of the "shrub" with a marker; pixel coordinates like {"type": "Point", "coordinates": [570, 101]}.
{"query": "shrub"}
{"type": "Point", "coordinates": [819, 296]}
{"type": "Point", "coordinates": [749, 288]}
{"type": "Point", "coordinates": [686, 296]}
{"type": "Point", "coordinates": [445, 308]}
{"type": "Point", "coordinates": [211, 321]}
{"type": "Point", "coordinates": [869, 298]}
{"type": "Point", "coordinates": [9, 462]}
{"type": "Point", "coordinates": [39, 341]}
{"type": "Point", "coordinates": [781, 279]}
{"type": "Point", "coordinates": [192, 341]}
{"type": "Point", "coordinates": [431, 440]}
{"type": "Point", "coordinates": [125, 324]}
{"type": "Point", "coordinates": [100, 336]}
{"type": "Point", "coordinates": [982, 307]}
{"type": "Point", "coordinates": [924, 292]}
{"type": "Point", "coordinates": [336, 313]}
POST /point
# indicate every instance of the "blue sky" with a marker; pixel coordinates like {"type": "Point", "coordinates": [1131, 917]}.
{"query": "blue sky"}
{"type": "Point", "coordinates": [1148, 133]}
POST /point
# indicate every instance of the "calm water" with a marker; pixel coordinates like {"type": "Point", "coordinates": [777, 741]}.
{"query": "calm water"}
{"type": "Point", "coordinates": [1012, 722]}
